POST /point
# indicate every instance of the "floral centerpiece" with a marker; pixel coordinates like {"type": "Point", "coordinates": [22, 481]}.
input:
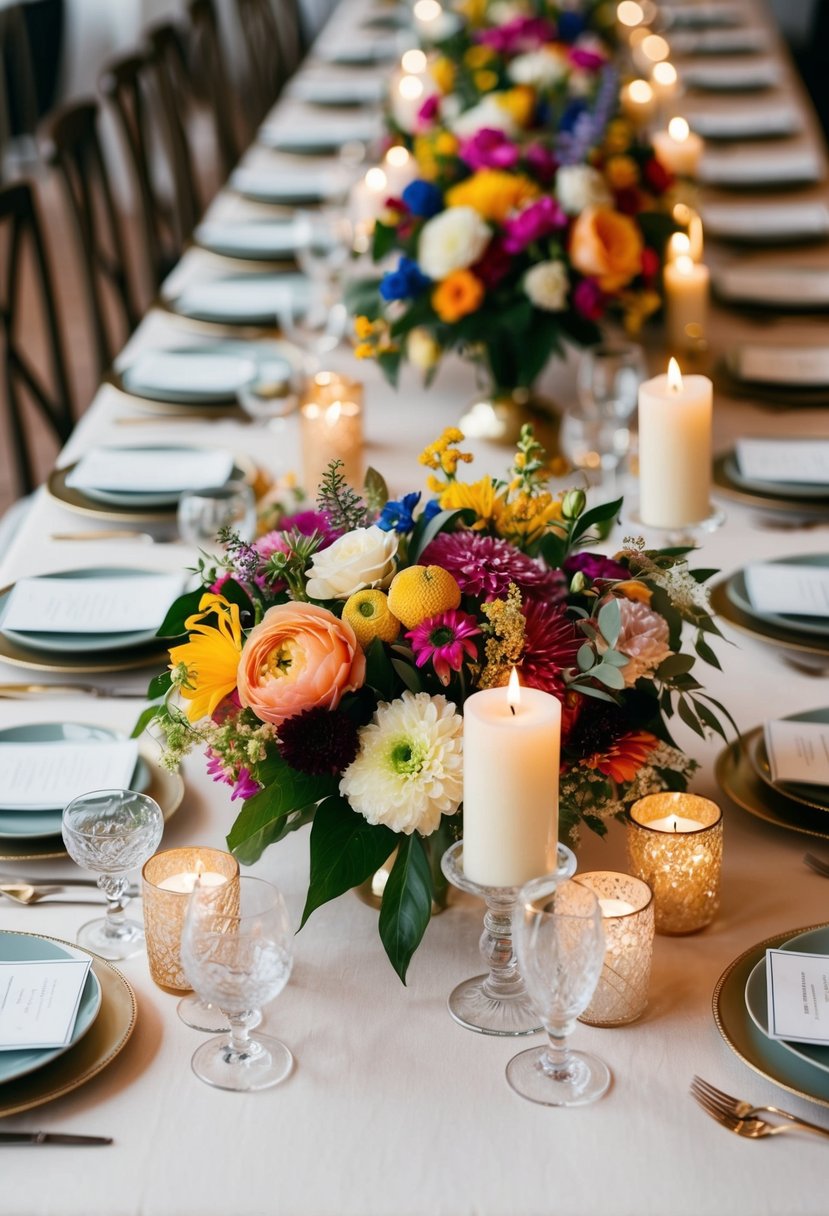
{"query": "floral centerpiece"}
{"type": "Point", "coordinates": [326, 666]}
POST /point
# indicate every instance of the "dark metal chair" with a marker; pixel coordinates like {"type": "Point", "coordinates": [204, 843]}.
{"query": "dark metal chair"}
{"type": "Point", "coordinates": [212, 80]}
{"type": "Point", "coordinates": [76, 151]}
{"type": "Point", "coordinates": [33, 379]}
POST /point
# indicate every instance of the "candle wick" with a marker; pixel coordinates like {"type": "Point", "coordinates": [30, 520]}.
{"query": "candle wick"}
{"type": "Point", "coordinates": [512, 710]}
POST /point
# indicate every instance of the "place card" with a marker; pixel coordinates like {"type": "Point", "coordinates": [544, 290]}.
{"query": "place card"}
{"type": "Point", "coordinates": [150, 470]}
{"type": "Point", "coordinates": [798, 996]}
{"type": "Point", "coordinates": [90, 605]}
{"type": "Point", "coordinates": [798, 751]}
{"type": "Point", "coordinates": [756, 168]}
{"type": "Point", "coordinates": [789, 365]}
{"type": "Point", "coordinates": [731, 76]}
{"type": "Point", "coordinates": [799, 461]}
{"type": "Point", "coordinates": [747, 123]}
{"type": "Point", "coordinates": [47, 776]}
{"type": "Point", "coordinates": [789, 590]}
{"type": "Point", "coordinates": [785, 286]}
{"type": "Point", "coordinates": [766, 221]}
{"type": "Point", "coordinates": [39, 1001]}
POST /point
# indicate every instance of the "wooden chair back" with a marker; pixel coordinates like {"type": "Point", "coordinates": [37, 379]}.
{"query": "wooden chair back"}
{"type": "Point", "coordinates": [212, 80]}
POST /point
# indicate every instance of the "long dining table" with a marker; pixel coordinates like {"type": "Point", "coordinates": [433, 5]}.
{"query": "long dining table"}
{"type": "Point", "coordinates": [393, 1109]}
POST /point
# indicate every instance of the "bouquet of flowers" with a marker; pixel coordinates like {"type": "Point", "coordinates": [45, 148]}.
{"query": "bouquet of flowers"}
{"type": "Point", "coordinates": [326, 666]}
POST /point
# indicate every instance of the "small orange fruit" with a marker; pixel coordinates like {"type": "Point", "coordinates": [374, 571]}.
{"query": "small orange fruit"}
{"type": "Point", "coordinates": [419, 592]}
{"type": "Point", "coordinates": [368, 614]}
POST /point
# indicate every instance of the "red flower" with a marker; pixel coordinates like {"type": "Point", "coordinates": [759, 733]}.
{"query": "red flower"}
{"type": "Point", "coordinates": [625, 756]}
{"type": "Point", "coordinates": [650, 263]}
{"type": "Point", "coordinates": [657, 176]}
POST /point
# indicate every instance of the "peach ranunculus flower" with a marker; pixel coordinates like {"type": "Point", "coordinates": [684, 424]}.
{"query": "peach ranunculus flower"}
{"type": "Point", "coordinates": [457, 296]}
{"type": "Point", "coordinates": [607, 246]}
{"type": "Point", "coordinates": [300, 656]}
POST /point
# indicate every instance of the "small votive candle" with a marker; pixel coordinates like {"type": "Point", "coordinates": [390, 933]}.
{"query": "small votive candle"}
{"type": "Point", "coordinates": [168, 879]}
{"type": "Point", "coordinates": [675, 845]}
{"type": "Point", "coordinates": [331, 428]}
{"type": "Point", "coordinates": [679, 149]}
{"type": "Point", "coordinates": [628, 922]}
{"type": "Point", "coordinates": [638, 102]}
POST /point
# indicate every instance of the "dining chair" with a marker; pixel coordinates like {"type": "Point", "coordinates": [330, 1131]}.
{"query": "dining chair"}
{"type": "Point", "coordinates": [267, 56]}
{"type": "Point", "coordinates": [171, 54]}
{"type": "Point", "coordinates": [212, 79]}
{"type": "Point", "coordinates": [76, 151]}
{"type": "Point", "coordinates": [34, 367]}
{"type": "Point", "coordinates": [18, 90]}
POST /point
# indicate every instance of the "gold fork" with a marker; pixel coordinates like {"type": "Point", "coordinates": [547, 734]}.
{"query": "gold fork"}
{"type": "Point", "coordinates": [743, 1118]}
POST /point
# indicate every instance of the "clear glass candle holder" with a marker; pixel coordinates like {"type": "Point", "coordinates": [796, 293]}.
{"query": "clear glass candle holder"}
{"type": "Point", "coordinates": [331, 428]}
{"type": "Point", "coordinates": [627, 919]}
{"type": "Point", "coordinates": [674, 844]}
{"type": "Point", "coordinates": [168, 879]}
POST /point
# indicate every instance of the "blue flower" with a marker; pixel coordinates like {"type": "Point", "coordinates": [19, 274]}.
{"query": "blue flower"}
{"type": "Point", "coordinates": [431, 509]}
{"type": "Point", "coordinates": [399, 516]}
{"type": "Point", "coordinates": [408, 280]}
{"type": "Point", "coordinates": [570, 25]}
{"type": "Point", "coordinates": [422, 198]}
{"type": "Point", "coordinates": [572, 113]}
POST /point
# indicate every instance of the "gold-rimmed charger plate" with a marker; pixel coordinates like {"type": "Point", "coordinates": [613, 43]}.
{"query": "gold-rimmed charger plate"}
{"type": "Point", "coordinates": [166, 788]}
{"type": "Point", "coordinates": [748, 1042]}
{"type": "Point", "coordinates": [759, 757]}
{"type": "Point", "coordinates": [801, 507]}
{"type": "Point", "coordinates": [100, 1045]}
{"type": "Point", "coordinates": [788, 640]}
{"type": "Point", "coordinates": [737, 779]}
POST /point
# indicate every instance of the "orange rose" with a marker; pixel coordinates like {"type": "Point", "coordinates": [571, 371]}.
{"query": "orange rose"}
{"type": "Point", "coordinates": [607, 246]}
{"type": "Point", "coordinates": [299, 657]}
{"type": "Point", "coordinates": [459, 294]}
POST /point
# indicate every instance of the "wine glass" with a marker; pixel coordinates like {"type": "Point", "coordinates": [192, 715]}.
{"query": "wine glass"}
{"type": "Point", "coordinates": [595, 434]}
{"type": "Point", "coordinates": [203, 513]}
{"type": "Point", "coordinates": [112, 832]}
{"type": "Point", "coordinates": [236, 950]}
{"type": "Point", "coordinates": [557, 930]}
{"type": "Point", "coordinates": [317, 320]}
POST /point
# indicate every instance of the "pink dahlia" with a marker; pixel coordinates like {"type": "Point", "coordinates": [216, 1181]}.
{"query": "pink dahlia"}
{"type": "Point", "coordinates": [445, 639]}
{"type": "Point", "coordinates": [484, 566]}
{"type": "Point", "coordinates": [552, 641]}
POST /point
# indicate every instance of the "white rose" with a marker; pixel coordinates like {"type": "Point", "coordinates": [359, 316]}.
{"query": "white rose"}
{"type": "Point", "coordinates": [502, 11]}
{"type": "Point", "coordinates": [579, 187]}
{"type": "Point", "coordinates": [452, 240]}
{"type": "Point", "coordinates": [422, 350]}
{"type": "Point", "coordinates": [362, 558]}
{"type": "Point", "coordinates": [547, 285]}
{"type": "Point", "coordinates": [542, 68]}
{"type": "Point", "coordinates": [489, 114]}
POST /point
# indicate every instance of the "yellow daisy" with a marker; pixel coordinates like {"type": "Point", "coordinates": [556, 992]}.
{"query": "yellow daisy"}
{"type": "Point", "coordinates": [478, 496]}
{"type": "Point", "coordinates": [211, 656]}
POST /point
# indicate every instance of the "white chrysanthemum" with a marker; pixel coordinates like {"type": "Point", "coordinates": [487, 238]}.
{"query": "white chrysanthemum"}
{"type": "Point", "coordinates": [541, 69]}
{"type": "Point", "coordinates": [547, 284]}
{"type": "Point", "coordinates": [489, 113]}
{"type": "Point", "coordinates": [643, 638]}
{"type": "Point", "coordinates": [579, 187]}
{"type": "Point", "coordinates": [409, 769]}
{"type": "Point", "coordinates": [452, 240]}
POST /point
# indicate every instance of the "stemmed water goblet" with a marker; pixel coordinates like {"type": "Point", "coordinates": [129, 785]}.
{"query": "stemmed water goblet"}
{"type": "Point", "coordinates": [317, 321]}
{"type": "Point", "coordinates": [112, 832]}
{"type": "Point", "coordinates": [557, 929]}
{"type": "Point", "coordinates": [203, 513]}
{"type": "Point", "coordinates": [236, 950]}
{"type": "Point", "coordinates": [595, 434]}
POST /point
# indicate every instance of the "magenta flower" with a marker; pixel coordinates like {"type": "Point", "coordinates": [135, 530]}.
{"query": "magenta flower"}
{"type": "Point", "coordinates": [484, 566]}
{"type": "Point", "coordinates": [595, 565]}
{"type": "Point", "coordinates": [542, 161]}
{"type": "Point", "coordinates": [552, 641]}
{"type": "Point", "coordinates": [428, 112]}
{"type": "Point", "coordinates": [244, 785]}
{"type": "Point", "coordinates": [589, 60]}
{"type": "Point", "coordinates": [489, 149]}
{"type": "Point", "coordinates": [534, 222]}
{"type": "Point", "coordinates": [445, 639]}
{"type": "Point", "coordinates": [518, 35]}
{"type": "Point", "coordinates": [588, 300]}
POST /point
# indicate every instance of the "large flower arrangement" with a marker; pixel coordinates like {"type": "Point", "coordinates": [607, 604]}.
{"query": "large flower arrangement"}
{"type": "Point", "coordinates": [326, 665]}
{"type": "Point", "coordinates": [507, 244]}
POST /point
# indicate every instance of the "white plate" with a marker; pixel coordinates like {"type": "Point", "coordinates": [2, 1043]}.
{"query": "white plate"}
{"type": "Point", "coordinates": [744, 169]}
{"type": "Point", "coordinates": [776, 286]}
{"type": "Point", "coordinates": [188, 374]}
{"type": "Point", "coordinates": [162, 496]}
{"type": "Point", "coordinates": [766, 223]}
{"type": "Point", "coordinates": [301, 136]}
{"type": "Point", "coordinates": [752, 122]}
{"type": "Point", "coordinates": [291, 188]}
{"type": "Point", "coordinates": [246, 300]}
{"type": "Point", "coordinates": [815, 941]}
{"type": "Point", "coordinates": [731, 76]}
{"type": "Point", "coordinates": [328, 91]}
{"type": "Point", "coordinates": [262, 240]}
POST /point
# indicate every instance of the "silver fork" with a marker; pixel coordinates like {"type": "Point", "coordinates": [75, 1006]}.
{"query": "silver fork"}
{"type": "Point", "coordinates": [817, 864]}
{"type": "Point", "coordinates": [743, 1118]}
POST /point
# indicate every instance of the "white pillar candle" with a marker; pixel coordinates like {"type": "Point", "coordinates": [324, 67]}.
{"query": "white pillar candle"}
{"type": "Point", "coordinates": [675, 823]}
{"type": "Point", "coordinates": [400, 168]}
{"type": "Point", "coordinates": [433, 23]}
{"type": "Point", "coordinates": [675, 449]}
{"type": "Point", "coordinates": [664, 82]}
{"type": "Point", "coordinates": [679, 149]}
{"type": "Point", "coordinates": [510, 784]}
{"type": "Point", "coordinates": [638, 102]}
{"type": "Point", "coordinates": [687, 286]}
{"type": "Point", "coordinates": [185, 883]}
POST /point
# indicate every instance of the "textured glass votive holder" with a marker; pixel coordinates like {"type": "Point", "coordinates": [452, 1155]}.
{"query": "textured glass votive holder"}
{"type": "Point", "coordinates": [166, 907]}
{"type": "Point", "coordinates": [627, 918]}
{"type": "Point", "coordinates": [331, 427]}
{"type": "Point", "coordinates": [675, 845]}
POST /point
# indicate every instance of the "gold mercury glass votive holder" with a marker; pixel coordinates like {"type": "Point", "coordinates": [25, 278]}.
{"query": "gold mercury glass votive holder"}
{"type": "Point", "coordinates": [168, 879]}
{"type": "Point", "coordinates": [628, 922]}
{"type": "Point", "coordinates": [675, 845]}
{"type": "Point", "coordinates": [331, 428]}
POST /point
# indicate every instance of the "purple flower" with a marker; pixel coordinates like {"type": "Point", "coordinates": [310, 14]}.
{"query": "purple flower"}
{"type": "Point", "coordinates": [422, 198]}
{"type": "Point", "coordinates": [588, 300]}
{"type": "Point", "coordinates": [595, 565]}
{"type": "Point", "coordinates": [486, 565]}
{"type": "Point", "coordinates": [405, 283]}
{"type": "Point", "coordinates": [534, 222]}
{"type": "Point", "coordinates": [518, 35]}
{"type": "Point", "coordinates": [489, 149]}
{"type": "Point", "coordinates": [309, 522]}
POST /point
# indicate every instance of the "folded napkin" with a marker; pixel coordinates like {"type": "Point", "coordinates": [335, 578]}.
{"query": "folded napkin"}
{"type": "Point", "coordinates": [154, 470]}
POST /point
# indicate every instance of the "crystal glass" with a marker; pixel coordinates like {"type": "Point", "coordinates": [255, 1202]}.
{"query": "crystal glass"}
{"type": "Point", "coordinates": [595, 434]}
{"type": "Point", "coordinates": [236, 950]}
{"type": "Point", "coordinates": [111, 832]}
{"type": "Point", "coordinates": [627, 919]}
{"type": "Point", "coordinates": [318, 322]}
{"type": "Point", "coordinates": [557, 929]}
{"type": "Point", "coordinates": [203, 513]}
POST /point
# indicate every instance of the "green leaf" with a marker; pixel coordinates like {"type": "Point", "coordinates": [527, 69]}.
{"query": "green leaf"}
{"type": "Point", "coordinates": [706, 653]}
{"type": "Point", "coordinates": [345, 850]}
{"type": "Point", "coordinates": [385, 239]}
{"type": "Point", "coordinates": [708, 716]}
{"type": "Point", "coordinates": [586, 657]}
{"type": "Point", "coordinates": [407, 904]}
{"type": "Point", "coordinates": [611, 677]}
{"type": "Point", "coordinates": [674, 665]}
{"type": "Point", "coordinates": [610, 621]}
{"type": "Point", "coordinates": [362, 297]}
{"type": "Point", "coordinates": [173, 624]}
{"type": "Point", "coordinates": [615, 658]}
{"type": "Point", "coordinates": [408, 674]}
{"type": "Point", "coordinates": [262, 819]}
{"type": "Point", "coordinates": [703, 575]}
{"type": "Point", "coordinates": [379, 671]}
{"type": "Point", "coordinates": [589, 691]}
{"type": "Point", "coordinates": [375, 490]}
{"type": "Point", "coordinates": [688, 716]}
{"type": "Point", "coordinates": [235, 593]}
{"type": "Point", "coordinates": [160, 685]}
{"type": "Point", "coordinates": [429, 531]}
{"type": "Point", "coordinates": [605, 513]}
{"type": "Point", "coordinates": [553, 550]}
{"type": "Point", "coordinates": [144, 718]}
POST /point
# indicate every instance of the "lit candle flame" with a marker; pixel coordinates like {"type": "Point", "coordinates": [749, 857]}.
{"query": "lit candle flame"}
{"type": "Point", "coordinates": [411, 87]}
{"type": "Point", "coordinates": [674, 375]}
{"type": "Point", "coordinates": [678, 130]}
{"type": "Point", "coordinates": [630, 13]}
{"type": "Point", "coordinates": [413, 61]}
{"type": "Point", "coordinates": [513, 691]}
{"type": "Point", "coordinates": [655, 48]}
{"type": "Point", "coordinates": [397, 156]}
{"type": "Point", "coordinates": [376, 180]}
{"type": "Point", "coordinates": [427, 10]}
{"type": "Point", "coordinates": [664, 73]}
{"type": "Point", "coordinates": [679, 246]}
{"type": "Point", "coordinates": [640, 92]}
{"type": "Point", "coordinates": [684, 266]}
{"type": "Point", "coordinates": [332, 414]}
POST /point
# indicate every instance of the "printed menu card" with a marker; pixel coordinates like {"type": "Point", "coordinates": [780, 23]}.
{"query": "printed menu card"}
{"type": "Point", "coordinates": [47, 776]}
{"type": "Point", "coordinates": [798, 994]}
{"type": "Point", "coordinates": [39, 1001]}
{"type": "Point", "coordinates": [90, 605]}
{"type": "Point", "coordinates": [798, 751]}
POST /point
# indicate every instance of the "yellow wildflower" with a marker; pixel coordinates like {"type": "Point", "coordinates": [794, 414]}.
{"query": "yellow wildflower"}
{"type": "Point", "coordinates": [482, 497]}
{"type": "Point", "coordinates": [485, 80]}
{"type": "Point", "coordinates": [638, 306]}
{"type": "Point", "coordinates": [527, 517]}
{"type": "Point", "coordinates": [477, 57]}
{"type": "Point", "coordinates": [211, 655]}
{"type": "Point", "coordinates": [519, 103]}
{"type": "Point", "coordinates": [446, 144]}
{"type": "Point", "coordinates": [442, 72]}
{"type": "Point", "coordinates": [363, 328]}
{"type": "Point", "coordinates": [364, 350]}
{"type": "Point", "coordinates": [493, 193]}
{"type": "Point", "coordinates": [444, 456]}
